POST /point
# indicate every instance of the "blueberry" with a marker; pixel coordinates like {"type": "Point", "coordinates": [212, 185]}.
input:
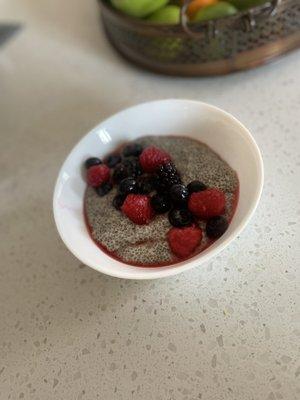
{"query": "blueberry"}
{"type": "Point", "coordinates": [104, 189]}
{"type": "Point", "coordinates": [160, 203]}
{"type": "Point", "coordinates": [133, 149]}
{"type": "Point", "coordinates": [128, 185]}
{"type": "Point", "coordinates": [145, 184]}
{"type": "Point", "coordinates": [118, 201]}
{"type": "Point", "coordinates": [90, 162]}
{"type": "Point", "coordinates": [180, 218]}
{"type": "Point", "coordinates": [121, 172]}
{"type": "Point", "coordinates": [216, 226]}
{"type": "Point", "coordinates": [196, 186]}
{"type": "Point", "coordinates": [112, 160]}
{"type": "Point", "coordinates": [179, 194]}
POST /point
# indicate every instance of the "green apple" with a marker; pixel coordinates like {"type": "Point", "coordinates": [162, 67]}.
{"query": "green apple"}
{"type": "Point", "coordinates": [168, 48]}
{"type": "Point", "coordinates": [166, 15]}
{"type": "Point", "coordinates": [219, 10]}
{"type": "Point", "coordinates": [138, 8]}
{"type": "Point", "coordinates": [245, 4]}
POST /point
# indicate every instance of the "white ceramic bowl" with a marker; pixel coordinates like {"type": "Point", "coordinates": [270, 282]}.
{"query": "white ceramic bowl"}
{"type": "Point", "coordinates": [221, 131]}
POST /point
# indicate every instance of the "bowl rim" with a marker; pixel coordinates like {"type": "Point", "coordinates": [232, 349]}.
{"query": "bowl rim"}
{"type": "Point", "coordinates": [186, 264]}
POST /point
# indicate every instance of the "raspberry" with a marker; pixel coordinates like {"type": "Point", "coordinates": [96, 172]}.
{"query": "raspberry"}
{"type": "Point", "coordinates": [183, 241]}
{"type": "Point", "coordinates": [97, 175]}
{"type": "Point", "coordinates": [152, 157]}
{"type": "Point", "coordinates": [138, 209]}
{"type": "Point", "coordinates": [208, 203]}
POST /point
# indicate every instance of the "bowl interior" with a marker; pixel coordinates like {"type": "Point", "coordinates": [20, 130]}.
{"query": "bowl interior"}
{"type": "Point", "coordinates": [222, 132]}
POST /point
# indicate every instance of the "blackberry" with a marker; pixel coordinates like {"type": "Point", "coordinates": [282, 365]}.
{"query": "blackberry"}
{"type": "Point", "coordinates": [180, 218]}
{"type": "Point", "coordinates": [133, 166]}
{"type": "Point", "coordinates": [216, 226]}
{"type": "Point", "coordinates": [167, 177]}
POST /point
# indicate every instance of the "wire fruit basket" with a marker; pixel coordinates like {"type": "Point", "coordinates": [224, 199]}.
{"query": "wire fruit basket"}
{"type": "Point", "coordinates": [215, 47]}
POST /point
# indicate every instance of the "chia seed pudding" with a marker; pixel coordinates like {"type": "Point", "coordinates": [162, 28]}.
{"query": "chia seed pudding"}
{"type": "Point", "coordinates": [147, 244]}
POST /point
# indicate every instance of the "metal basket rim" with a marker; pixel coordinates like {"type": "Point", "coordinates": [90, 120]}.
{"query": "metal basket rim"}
{"type": "Point", "coordinates": [133, 22]}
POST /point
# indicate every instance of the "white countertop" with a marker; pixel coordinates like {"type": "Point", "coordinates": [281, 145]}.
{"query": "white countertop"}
{"type": "Point", "coordinates": [227, 330]}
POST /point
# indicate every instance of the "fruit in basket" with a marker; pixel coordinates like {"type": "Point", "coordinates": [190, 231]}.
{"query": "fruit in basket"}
{"type": "Point", "coordinates": [138, 8]}
{"type": "Point", "coordinates": [195, 6]}
{"type": "Point", "coordinates": [246, 4]}
{"type": "Point", "coordinates": [166, 15]}
{"type": "Point", "coordinates": [219, 10]}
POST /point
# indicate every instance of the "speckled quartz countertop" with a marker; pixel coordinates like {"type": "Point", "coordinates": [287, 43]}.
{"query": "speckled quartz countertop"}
{"type": "Point", "coordinates": [227, 330]}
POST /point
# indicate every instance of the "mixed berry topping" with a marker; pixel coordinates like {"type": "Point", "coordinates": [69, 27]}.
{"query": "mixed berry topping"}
{"type": "Point", "coordinates": [148, 184]}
